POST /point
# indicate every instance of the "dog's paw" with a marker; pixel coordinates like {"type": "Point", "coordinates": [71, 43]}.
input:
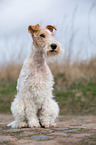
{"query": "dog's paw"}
{"type": "Point", "coordinates": [53, 125]}
{"type": "Point", "coordinates": [47, 125]}
{"type": "Point", "coordinates": [34, 124]}
{"type": "Point", "coordinates": [16, 124]}
{"type": "Point", "coordinates": [23, 125]}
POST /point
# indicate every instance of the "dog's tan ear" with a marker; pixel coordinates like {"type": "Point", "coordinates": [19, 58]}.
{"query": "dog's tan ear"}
{"type": "Point", "coordinates": [50, 27]}
{"type": "Point", "coordinates": [32, 29]}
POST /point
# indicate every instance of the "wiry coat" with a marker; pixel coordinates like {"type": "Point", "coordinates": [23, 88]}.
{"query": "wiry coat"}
{"type": "Point", "coordinates": [34, 105]}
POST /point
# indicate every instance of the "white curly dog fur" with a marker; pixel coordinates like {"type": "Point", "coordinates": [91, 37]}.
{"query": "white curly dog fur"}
{"type": "Point", "coordinates": [34, 104]}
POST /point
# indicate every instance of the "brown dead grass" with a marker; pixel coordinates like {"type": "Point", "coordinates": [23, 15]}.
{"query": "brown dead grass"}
{"type": "Point", "coordinates": [77, 70]}
{"type": "Point", "coordinates": [11, 71]}
{"type": "Point", "coordinates": [72, 72]}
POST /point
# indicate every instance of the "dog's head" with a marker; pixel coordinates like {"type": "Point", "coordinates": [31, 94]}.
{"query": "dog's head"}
{"type": "Point", "coordinates": [44, 39]}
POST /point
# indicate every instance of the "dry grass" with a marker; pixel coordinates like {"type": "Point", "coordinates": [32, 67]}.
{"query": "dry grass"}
{"type": "Point", "coordinates": [10, 72]}
{"type": "Point", "coordinates": [77, 70]}
{"type": "Point", "coordinates": [72, 72]}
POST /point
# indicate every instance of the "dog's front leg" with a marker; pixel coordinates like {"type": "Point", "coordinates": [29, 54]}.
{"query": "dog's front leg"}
{"type": "Point", "coordinates": [31, 114]}
{"type": "Point", "coordinates": [49, 113]}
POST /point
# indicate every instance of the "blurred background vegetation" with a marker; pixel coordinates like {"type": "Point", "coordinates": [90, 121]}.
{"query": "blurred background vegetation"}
{"type": "Point", "coordinates": [74, 72]}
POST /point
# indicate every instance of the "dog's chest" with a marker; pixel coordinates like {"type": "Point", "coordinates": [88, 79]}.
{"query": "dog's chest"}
{"type": "Point", "coordinates": [41, 87]}
{"type": "Point", "coordinates": [41, 79]}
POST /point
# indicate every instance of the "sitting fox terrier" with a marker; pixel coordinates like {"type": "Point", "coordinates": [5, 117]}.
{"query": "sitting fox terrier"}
{"type": "Point", "coordinates": [34, 105]}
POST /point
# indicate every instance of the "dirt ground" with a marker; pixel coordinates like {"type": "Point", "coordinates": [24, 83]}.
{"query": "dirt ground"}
{"type": "Point", "coordinates": [70, 130]}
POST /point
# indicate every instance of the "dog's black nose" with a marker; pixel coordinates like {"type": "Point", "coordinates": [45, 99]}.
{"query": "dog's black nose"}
{"type": "Point", "coordinates": [53, 46]}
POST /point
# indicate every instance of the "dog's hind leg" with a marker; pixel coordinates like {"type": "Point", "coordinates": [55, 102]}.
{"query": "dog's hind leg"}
{"type": "Point", "coordinates": [17, 109]}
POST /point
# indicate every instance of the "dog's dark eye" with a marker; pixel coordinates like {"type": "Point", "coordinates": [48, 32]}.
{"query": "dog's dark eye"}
{"type": "Point", "coordinates": [42, 35]}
